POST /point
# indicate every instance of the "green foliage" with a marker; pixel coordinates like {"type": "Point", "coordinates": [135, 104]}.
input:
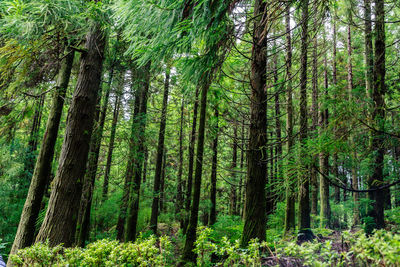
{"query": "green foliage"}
{"type": "Point", "coordinates": [144, 252]}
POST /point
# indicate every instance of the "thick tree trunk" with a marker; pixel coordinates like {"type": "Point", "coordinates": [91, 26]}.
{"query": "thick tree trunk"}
{"type": "Point", "coordinates": [192, 142]}
{"type": "Point", "coordinates": [117, 105]}
{"type": "Point", "coordinates": [133, 208]}
{"type": "Point", "coordinates": [179, 190]}
{"type": "Point", "coordinates": [60, 220]}
{"type": "Point", "coordinates": [83, 223]}
{"type": "Point", "coordinates": [304, 190]}
{"type": "Point", "coordinates": [213, 191]}
{"type": "Point", "coordinates": [41, 174]}
{"type": "Point", "coordinates": [159, 160]}
{"type": "Point", "coordinates": [378, 116]}
{"type": "Point", "coordinates": [255, 205]}
{"type": "Point", "coordinates": [290, 217]}
{"type": "Point", "coordinates": [278, 128]}
{"type": "Point", "coordinates": [137, 90]}
{"type": "Point", "coordinates": [188, 254]}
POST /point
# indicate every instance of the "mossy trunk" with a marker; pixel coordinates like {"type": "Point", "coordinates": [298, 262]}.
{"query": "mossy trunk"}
{"type": "Point", "coordinates": [41, 175]}
{"type": "Point", "coordinates": [60, 221]}
{"type": "Point", "coordinates": [378, 117]}
{"type": "Point", "coordinates": [304, 178]}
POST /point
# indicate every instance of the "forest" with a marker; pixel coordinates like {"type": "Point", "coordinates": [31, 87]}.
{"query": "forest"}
{"type": "Point", "coordinates": [200, 132]}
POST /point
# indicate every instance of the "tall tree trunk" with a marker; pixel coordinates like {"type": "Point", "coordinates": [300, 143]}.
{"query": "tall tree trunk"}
{"type": "Point", "coordinates": [133, 208]}
{"type": "Point", "coordinates": [137, 90]}
{"type": "Point", "coordinates": [83, 223]}
{"type": "Point", "coordinates": [179, 190]}
{"type": "Point", "coordinates": [290, 217]}
{"type": "Point", "coordinates": [369, 54]}
{"type": "Point", "coordinates": [278, 130]}
{"type": "Point", "coordinates": [314, 111]}
{"type": "Point", "coordinates": [304, 191]}
{"type": "Point", "coordinates": [255, 205]}
{"type": "Point", "coordinates": [233, 196]}
{"type": "Point", "coordinates": [60, 220]}
{"type": "Point", "coordinates": [378, 116]}
{"type": "Point", "coordinates": [213, 191]}
{"type": "Point", "coordinates": [117, 105]}
{"type": "Point", "coordinates": [242, 151]}
{"type": "Point", "coordinates": [324, 160]}
{"type": "Point", "coordinates": [162, 182]}
{"type": "Point", "coordinates": [41, 174]}
{"type": "Point", "coordinates": [145, 163]}
{"type": "Point", "coordinates": [356, 213]}
{"type": "Point", "coordinates": [334, 81]}
{"type": "Point", "coordinates": [188, 254]}
{"type": "Point", "coordinates": [159, 160]}
{"type": "Point", "coordinates": [192, 142]}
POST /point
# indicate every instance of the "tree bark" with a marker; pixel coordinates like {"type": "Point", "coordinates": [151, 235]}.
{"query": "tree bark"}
{"type": "Point", "coordinates": [378, 116]}
{"type": "Point", "coordinates": [188, 196]}
{"type": "Point", "coordinates": [160, 152]}
{"type": "Point", "coordinates": [314, 111]}
{"type": "Point", "coordinates": [117, 105]}
{"type": "Point", "coordinates": [213, 191]}
{"type": "Point", "coordinates": [290, 217]}
{"type": "Point", "coordinates": [233, 196]}
{"type": "Point", "coordinates": [83, 223]}
{"type": "Point", "coordinates": [325, 212]}
{"type": "Point", "coordinates": [179, 190]}
{"type": "Point", "coordinates": [369, 54]}
{"type": "Point", "coordinates": [188, 254]}
{"type": "Point", "coordinates": [304, 191]}
{"type": "Point", "coordinates": [133, 143]}
{"type": "Point", "coordinates": [40, 179]}
{"type": "Point", "coordinates": [60, 220]}
{"type": "Point", "coordinates": [255, 205]}
{"type": "Point", "coordinates": [133, 208]}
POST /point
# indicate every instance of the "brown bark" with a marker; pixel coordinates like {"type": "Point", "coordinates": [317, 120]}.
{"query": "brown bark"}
{"type": "Point", "coordinates": [133, 208]}
{"type": "Point", "coordinates": [304, 194]}
{"type": "Point", "coordinates": [137, 90]}
{"type": "Point", "coordinates": [188, 254]}
{"type": "Point", "coordinates": [83, 223]}
{"type": "Point", "coordinates": [41, 174]}
{"type": "Point", "coordinates": [189, 184]}
{"type": "Point", "coordinates": [159, 161]}
{"type": "Point", "coordinates": [233, 195]}
{"type": "Point", "coordinates": [378, 116]}
{"type": "Point", "coordinates": [60, 220]}
{"type": "Point", "coordinates": [255, 205]}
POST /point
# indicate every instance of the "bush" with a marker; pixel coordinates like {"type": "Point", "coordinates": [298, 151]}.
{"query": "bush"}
{"type": "Point", "coordinates": [144, 252]}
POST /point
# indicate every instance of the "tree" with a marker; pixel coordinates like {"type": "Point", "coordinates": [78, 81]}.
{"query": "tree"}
{"type": "Point", "coordinates": [60, 220]}
{"type": "Point", "coordinates": [255, 205]}
{"type": "Point", "coordinates": [41, 175]}
{"type": "Point", "coordinates": [160, 152]}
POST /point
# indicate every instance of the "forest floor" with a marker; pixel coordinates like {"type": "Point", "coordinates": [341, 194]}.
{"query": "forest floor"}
{"type": "Point", "coordinates": [338, 246]}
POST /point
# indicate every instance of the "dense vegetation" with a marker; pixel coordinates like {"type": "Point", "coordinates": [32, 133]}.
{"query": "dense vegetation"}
{"type": "Point", "coordinates": [228, 133]}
